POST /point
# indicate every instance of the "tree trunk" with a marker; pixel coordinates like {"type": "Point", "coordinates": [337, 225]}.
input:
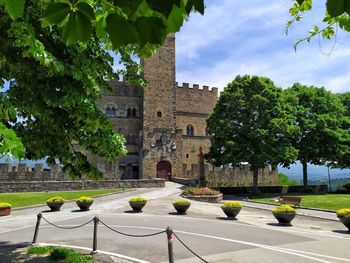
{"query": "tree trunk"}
{"type": "Point", "coordinates": [255, 180]}
{"type": "Point", "coordinates": [305, 179]}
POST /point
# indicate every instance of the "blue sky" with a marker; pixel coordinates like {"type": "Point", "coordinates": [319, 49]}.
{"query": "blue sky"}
{"type": "Point", "coordinates": [247, 37]}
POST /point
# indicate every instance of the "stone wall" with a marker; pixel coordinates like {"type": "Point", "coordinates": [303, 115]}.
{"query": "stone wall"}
{"type": "Point", "coordinates": [41, 186]}
{"type": "Point", "coordinates": [227, 176]}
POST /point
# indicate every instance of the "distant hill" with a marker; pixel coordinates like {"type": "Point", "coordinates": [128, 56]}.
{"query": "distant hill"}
{"type": "Point", "coordinates": [317, 174]}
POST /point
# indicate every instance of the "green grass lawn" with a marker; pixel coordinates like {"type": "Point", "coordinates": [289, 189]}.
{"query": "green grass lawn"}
{"type": "Point", "coordinates": [33, 198]}
{"type": "Point", "coordinates": [323, 201]}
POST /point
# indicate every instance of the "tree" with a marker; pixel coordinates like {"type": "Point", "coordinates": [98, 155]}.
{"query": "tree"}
{"type": "Point", "coordinates": [55, 57]}
{"type": "Point", "coordinates": [343, 161]}
{"type": "Point", "coordinates": [251, 124]}
{"type": "Point", "coordinates": [337, 15]}
{"type": "Point", "coordinates": [319, 114]}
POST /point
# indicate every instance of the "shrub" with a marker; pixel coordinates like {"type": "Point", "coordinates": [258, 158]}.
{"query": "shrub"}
{"type": "Point", "coordinates": [345, 212]}
{"type": "Point", "coordinates": [181, 202]}
{"type": "Point", "coordinates": [56, 199]}
{"type": "Point", "coordinates": [84, 199]}
{"type": "Point", "coordinates": [200, 191]}
{"type": "Point", "coordinates": [5, 205]}
{"type": "Point", "coordinates": [287, 209]}
{"type": "Point", "coordinates": [138, 199]}
{"type": "Point", "coordinates": [232, 204]}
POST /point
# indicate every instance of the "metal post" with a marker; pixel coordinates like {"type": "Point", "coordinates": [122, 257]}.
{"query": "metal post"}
{"type": "Point", "coordinates": [38, 219]}
{"type": "Point", "coordinates": [169, 233]}
{"type": "Point", "coordinates": [329, 180]}
{"type": "Point", "coordinates": [94, 244]}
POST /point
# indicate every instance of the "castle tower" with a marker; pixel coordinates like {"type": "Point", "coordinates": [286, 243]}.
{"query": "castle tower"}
{"type": "Point", "coordinates": [161, 140]}
{"type": "Point", "coordinates": [159, 98]}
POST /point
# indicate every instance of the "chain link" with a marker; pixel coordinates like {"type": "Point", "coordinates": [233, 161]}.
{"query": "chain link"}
{"type": "Point", "coordinates": [131, 235]}
{"type": "Point", "coordinates": [66, 227]}
{"type": "Point", "coordinates": [194, 253]}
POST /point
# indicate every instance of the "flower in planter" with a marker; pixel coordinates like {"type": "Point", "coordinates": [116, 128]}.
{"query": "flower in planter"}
{"type": "Point", "coordinates": [231, 209]}
{"type": "Point", "coordinates": [181, 206]}
{"type": "Point", "coordinates": [200, 191]}
{"type": "Point", "coordinates": [137, 203]}
{"type": "Point", "coordinates": [284, 214]}
{"type": "Point", "coordinates": [84, 202]}
{"type": "Point", "coordinates": [55, 203]}
{"type": "Point", "coordinates": [344, 216]}
{"type": "Point", "coordinates": [5, 209]}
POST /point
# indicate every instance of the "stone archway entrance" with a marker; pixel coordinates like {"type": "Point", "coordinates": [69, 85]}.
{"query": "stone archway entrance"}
{"type": "Point", "coordinates": [164, 170]}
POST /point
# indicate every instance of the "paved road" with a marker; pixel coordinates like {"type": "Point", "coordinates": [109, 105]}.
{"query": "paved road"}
{"type": "Point", "coordinates": [254, 237]}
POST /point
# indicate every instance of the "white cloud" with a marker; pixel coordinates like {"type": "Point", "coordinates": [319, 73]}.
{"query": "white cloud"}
{"type": "Point", "coordinates": [236, 37]}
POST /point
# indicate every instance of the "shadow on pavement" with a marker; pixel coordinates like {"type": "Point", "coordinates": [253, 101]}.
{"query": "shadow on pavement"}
{"type": "Point", "coordinates": [132, 212]}
{"type": "Point", "coordinates": [346, 232]}
{"type": "Point", "coordinates": [280, 225]}
{"type": "Point", "coordinates": [226, 218]}
{"type": "Point", "coordinates": [15, 252]}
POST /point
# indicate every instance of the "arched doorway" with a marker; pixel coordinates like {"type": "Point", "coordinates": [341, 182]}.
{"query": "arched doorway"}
{"type": "Point", "coordinates": [164, 170]}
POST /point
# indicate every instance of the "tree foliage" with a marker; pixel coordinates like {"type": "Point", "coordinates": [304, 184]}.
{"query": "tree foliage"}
{"type": "Point", "coordinates": [319, 114]}
{"type": "Point", "coordinates": [337, 15]}
{"type": "Point", "coordinates": [55, 57]}
{"type": "Point", "coordinates": [251, 124]}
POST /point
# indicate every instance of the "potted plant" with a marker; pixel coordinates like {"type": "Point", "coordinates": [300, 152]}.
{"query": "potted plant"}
{"type": "Point", "coordinates": [55, 203]}
{"type": "Point", "coordinates": [344, 217]}
{"type": "Point", "coordinates": [84, 202]}
{"type": "Point", "coordinates": [5, 209]}
{"type": "Point", "coordinates": [181, 206]}
{"type": "Point", "coordinates": [137, 203]}
{"type": "Point", "coordinates": [284, 214]}
{"type": "Point", "coordinates": [231, 209]}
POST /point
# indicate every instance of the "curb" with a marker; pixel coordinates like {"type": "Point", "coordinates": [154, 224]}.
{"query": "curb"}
{"type": "Point", "coordinates": [69, 201]}
{"type": "Point", "coordinates": [306, 215]}
{"type": "Point", "coordinates": [302, 207]}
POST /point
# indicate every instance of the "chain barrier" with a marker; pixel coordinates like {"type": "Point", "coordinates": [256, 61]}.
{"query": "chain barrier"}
{"type": "Point", "coordinates": [169, 232]}
{"type": "Point", "coordinates": [194, 253]}
{"type": "Point", "coordinates": [131, 235]}
{"type": "Point", "coordinates": [66, 227]}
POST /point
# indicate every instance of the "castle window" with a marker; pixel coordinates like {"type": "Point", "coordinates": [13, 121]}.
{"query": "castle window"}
{"type": "Point", "coordinates": [133, 112]}
{"type": "Point", "coordinates": [186, 155]}
{"type": "Point", "coordinates": [111, 112]}
{"type": "Point", "coordinates": [129, 112]}
{"type": "Point", "coordinates": [159, 114]}
{"type": "Point", "coordinates": [206, 132]}
{"type": "Point", "coordinates": [190, 130]}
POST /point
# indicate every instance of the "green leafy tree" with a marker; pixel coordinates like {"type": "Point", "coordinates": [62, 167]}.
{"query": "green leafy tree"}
{"type": "Point", "coordinates": [319, 114]}
{"type": "Point", "coordinates": [55, 55]}
{"type": "Point", "coordinates": [337, 16]}
{"type": "Point", "coordinates": [251, 124]}
{"type": "Point", "coordinates": [343, 161]}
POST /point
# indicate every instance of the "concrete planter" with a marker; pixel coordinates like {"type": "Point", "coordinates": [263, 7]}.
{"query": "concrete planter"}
{"type": "Point", "coordinates": [231, 212]}
{"type": "Point", "coordinates": [55, 206]}
{"type": "Point", "coordinates": [181, 209]}
{"type": "Point", "coordinates": [205, 198]}
{"type": "Point", "coordinates": [284, 218]}
{"type": "Point", "coordinates": [345, 221]}
{"type": "Point", "coordinates": [5, 211]}
{"type": "Point", "coordinates": [137, 206]}
{"type": "Point", "coordinates": [84, 206]}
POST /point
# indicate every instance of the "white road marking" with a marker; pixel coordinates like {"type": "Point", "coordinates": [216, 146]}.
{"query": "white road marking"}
{"type": "Point", "coordinates": [294, 252]}
{"type": "Point", "coordinates": [99, 251]}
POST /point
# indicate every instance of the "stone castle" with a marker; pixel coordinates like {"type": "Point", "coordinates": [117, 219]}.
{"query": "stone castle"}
{"type": "Point", "coordinates": [164, 126]}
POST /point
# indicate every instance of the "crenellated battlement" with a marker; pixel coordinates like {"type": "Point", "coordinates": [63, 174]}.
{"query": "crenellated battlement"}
{"type": "Point", "coordinates": [23, 173]}
{"type": "Point", "coordinates": [195, 87]}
